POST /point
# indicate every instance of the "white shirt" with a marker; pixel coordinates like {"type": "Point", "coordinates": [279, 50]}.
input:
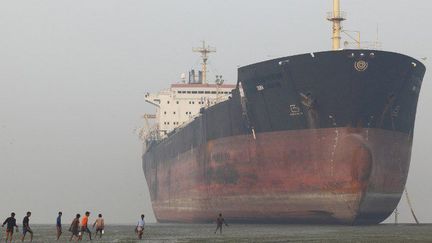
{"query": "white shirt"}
{"type": "Point", "coordinates": [141, 223]}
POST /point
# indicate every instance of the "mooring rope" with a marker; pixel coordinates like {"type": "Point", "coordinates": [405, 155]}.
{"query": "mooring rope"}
{"type": "Point", "coordinates": [410, 205]}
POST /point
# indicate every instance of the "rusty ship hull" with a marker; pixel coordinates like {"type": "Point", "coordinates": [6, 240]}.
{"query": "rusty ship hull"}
{"type": "Point", "coordinates": [316, 138]}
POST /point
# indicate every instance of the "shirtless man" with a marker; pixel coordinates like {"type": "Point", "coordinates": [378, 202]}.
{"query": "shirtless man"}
{"type": "Point", "coordinates": [10, 224]}
{"type": "Point", "coordinates": [26, 227]}
{"type": "Point", "coordinates": [100, 225]}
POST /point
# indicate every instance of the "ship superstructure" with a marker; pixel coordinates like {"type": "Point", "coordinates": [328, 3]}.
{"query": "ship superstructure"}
{"type": "Point", "coordinates": [179, 104]}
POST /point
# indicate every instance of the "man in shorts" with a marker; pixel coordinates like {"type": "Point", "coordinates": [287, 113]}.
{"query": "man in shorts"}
{"type": "Point", "coordinates": [59, 225]}
{"type": "Point", "coordinates": [100, 225]}
{"type": "Point", "coordinates": [140, 227]}
{"type": "Point", "coordinates": [26, 227]}
{"type": "Point", "coordinates": [84, 226]}
{"type": "Point", "coordinates": [220, 221]}
{"type": "Point", "coordinates": [10, 224]}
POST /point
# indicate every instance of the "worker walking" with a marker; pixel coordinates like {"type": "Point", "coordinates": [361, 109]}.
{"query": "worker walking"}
{"type": "Point", "coordinates": [26, 227]}
{"type": "Point", "coordinates": [10, 225]}
{"type": "Point", "coordinates": [59, 225]}
{"type": "Point", "coordinates": [140, 227]}
{"type": "Point", "coordinates": [100, 225]}
{"type": "Point", "coordinates": [220, 221]}
{"type": "Point", "coordinates": [74, 228]}
{"type": "Point", "coordinates": [84, 226]}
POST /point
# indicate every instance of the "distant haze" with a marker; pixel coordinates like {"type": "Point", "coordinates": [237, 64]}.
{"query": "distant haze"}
{"type": "Point", "coordinates": [73, 74]}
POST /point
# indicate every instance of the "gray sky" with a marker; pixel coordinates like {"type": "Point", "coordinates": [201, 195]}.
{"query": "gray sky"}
{"type": "Point", "coordinates": [73, 74]}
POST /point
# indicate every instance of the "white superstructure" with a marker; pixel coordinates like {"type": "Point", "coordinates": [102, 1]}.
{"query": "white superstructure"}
{"type": "Point", "coordinates": [181, 102]}
{"type": "Point", "coordinates": [178, 105]}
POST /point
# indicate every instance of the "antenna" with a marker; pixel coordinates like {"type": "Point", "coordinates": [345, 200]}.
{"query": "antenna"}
{"type": "Point", "coordinates": [377, 42]}
{"type": "Point", "coordinates": [204, 50]}
{"type": "Point", "coordinates": [377, 33]}
{"type": "Point", "coordinates": [336, 17]}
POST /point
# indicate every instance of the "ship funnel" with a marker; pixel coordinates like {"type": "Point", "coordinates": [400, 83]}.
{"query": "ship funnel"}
{"type": "Point", "coordinates": [336, 17]}
{"type": "Point", "coordinates": [192, 76]}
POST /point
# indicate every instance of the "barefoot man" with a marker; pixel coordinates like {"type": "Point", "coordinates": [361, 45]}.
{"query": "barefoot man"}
{"type": "Point", "coordinates": [59, 225]}
{"type": "Point", "coordinates": [84, 226]}
{"type": "Point", "coordinates": [26, 227]}
{"type": "Point", "coordinates": [140, 227]}
{"type": "Point", "coordinates": [220, 221]}
{"type": "Point", "coordinates": [100, 225]}
{"type": "Point", "coordinates": [74, 228]}
{"type": "Point", "coordinates": [10, 224]}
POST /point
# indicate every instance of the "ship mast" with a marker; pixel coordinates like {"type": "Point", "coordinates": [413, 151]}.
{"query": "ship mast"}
{"type": "Point", "coordinates": [336, 17]}
{"type": "Point", "coordinates": [204, 50]}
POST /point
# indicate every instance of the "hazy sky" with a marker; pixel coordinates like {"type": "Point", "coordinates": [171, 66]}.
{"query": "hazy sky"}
{"type": "Point", "coordinates": [73, 74]}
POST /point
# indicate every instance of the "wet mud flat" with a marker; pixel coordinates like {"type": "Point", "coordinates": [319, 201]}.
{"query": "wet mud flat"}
{"type": "Point", "coordinates": [249, 233]}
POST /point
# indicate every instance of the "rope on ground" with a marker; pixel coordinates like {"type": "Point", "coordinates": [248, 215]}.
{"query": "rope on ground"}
{"type": "Point", "coordinates": [410, 205]}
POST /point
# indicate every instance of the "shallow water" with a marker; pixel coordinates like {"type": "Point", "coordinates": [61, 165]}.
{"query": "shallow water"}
{"type": "Point", "coordinates": [250, 233]}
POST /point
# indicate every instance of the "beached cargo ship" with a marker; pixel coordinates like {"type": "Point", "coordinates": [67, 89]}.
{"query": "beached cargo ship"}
{"type": "Point", "coordinates": [323, 137]}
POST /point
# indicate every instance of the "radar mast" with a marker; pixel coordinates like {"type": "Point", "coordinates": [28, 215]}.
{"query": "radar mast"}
{"type": "Point", "coordinates": [204, 50]}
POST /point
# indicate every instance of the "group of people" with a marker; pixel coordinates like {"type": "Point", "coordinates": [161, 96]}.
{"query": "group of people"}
{"type": "Point", "coordinates": [77, 228]}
